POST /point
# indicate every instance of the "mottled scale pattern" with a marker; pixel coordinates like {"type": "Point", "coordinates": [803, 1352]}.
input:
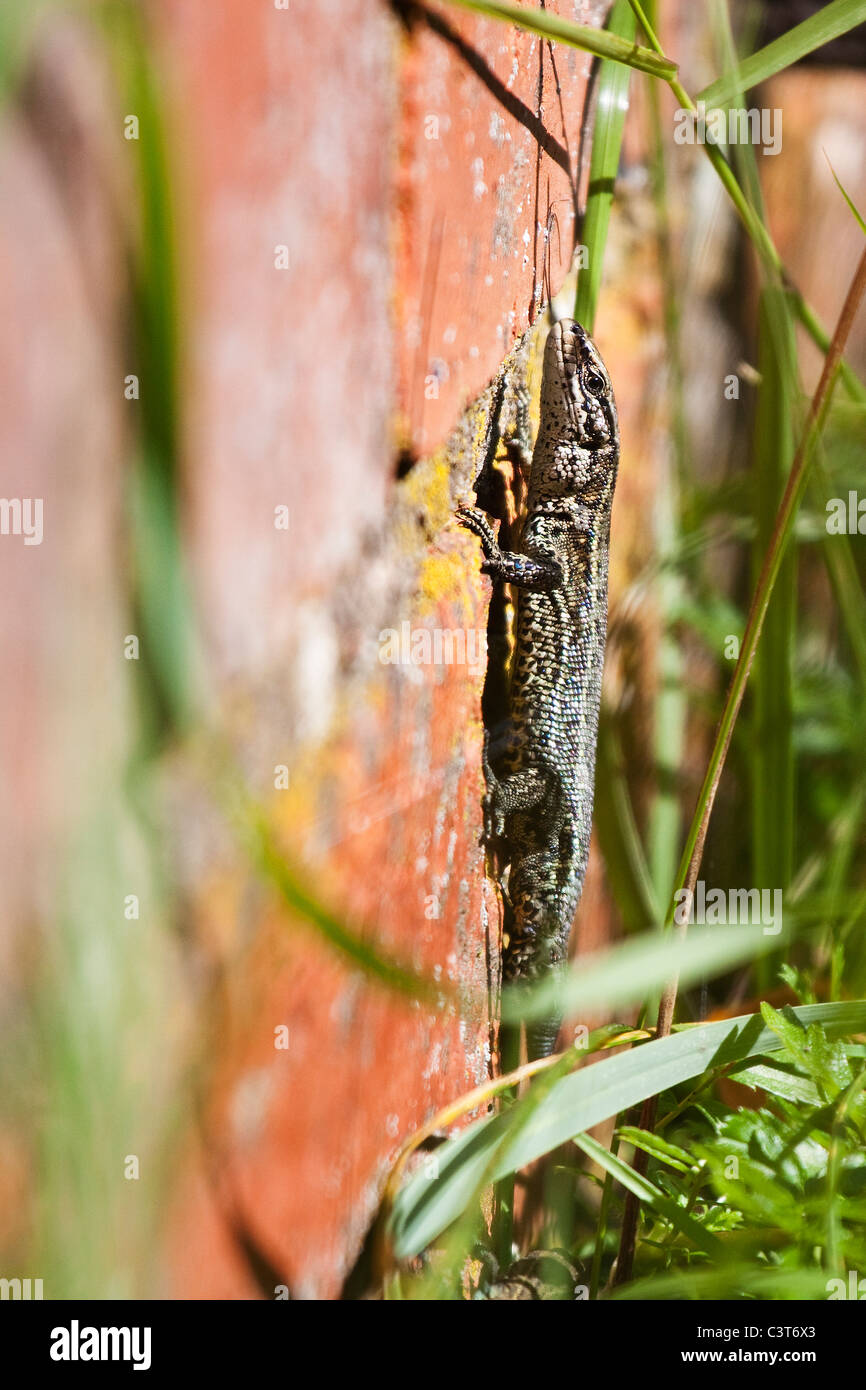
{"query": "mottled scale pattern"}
{"type": "Point", "coordinates": [540, 788]}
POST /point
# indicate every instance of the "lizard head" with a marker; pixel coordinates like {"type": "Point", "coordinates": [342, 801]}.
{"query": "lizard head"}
{"type": "Point", "coordinates": [577, 397]}
{"type": "Point", "coordinates": [578, 444]}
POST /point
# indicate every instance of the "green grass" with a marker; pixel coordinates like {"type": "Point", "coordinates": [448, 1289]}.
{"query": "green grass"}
{"type": "Point", "coordinates": [81, 1069]}
{"type": "Point", "coordinates": [781, 786]}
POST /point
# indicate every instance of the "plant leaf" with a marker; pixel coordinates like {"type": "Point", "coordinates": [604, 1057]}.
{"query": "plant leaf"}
{"type": "Point", "coordinates": [424, 1208]}
{"type": "Point", "coordinates": [552, 26]}
{"type": "Point", "coordinates": [612, 104]}
{"type": "Point", "coordinates": [650, 1195]}
{"type": "Point", "coordinates": [629, 972]}
{"type": "Point", "coordinates": [656, 1147]}
{"type": "Point", "coordinates": [776, 1082]}
{"type": "Point", "coordinates": [848, 200]}
{"type": "Point", "coordinates": [830, 22]}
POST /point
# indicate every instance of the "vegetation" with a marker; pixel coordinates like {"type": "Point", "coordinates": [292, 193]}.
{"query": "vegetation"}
{"type": "Point", "coordinates": [729, 1158]}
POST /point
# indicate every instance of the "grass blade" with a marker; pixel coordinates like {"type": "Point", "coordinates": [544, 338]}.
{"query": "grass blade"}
{"type": "Point", "coordinates": [425, 1208]}
{"type": "Point", "coordinates": [694, 847]}
{"type": "Point", "coordinates": [848, 200]}
{"type": "Point", "coordinates": [625, 975]}
{"type": "Point", "coordinates": [613, 80]}
{"type": "Point", "coordinates": [650, 1195]}
{"type": "Point", "coordinates": [830, 22]}
{"type": "Point", "coordinates": [772, 761]}
{"type": "Point", "coordinates": [551, 26]}
{"type": "Point", "coordinates": [767, 580]}
{"type": "Point", "coordinates": [619, 838]}
{"type": "Point", "coordinates": [275, 869]}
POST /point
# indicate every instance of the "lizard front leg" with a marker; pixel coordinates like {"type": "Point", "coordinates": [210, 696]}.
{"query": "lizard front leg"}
{"type": "Point", "coordinates": [529, 572]}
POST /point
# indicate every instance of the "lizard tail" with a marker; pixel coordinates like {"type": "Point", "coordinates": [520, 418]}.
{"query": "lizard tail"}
{"type": "Point", "coordinates": [541, 1038]}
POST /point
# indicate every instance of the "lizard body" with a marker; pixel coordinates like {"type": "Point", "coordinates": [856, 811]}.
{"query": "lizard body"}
{"type": "Point", "coordinates": [540, 794]}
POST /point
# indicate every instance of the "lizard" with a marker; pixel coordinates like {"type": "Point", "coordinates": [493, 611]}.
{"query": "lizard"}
{"type": "Point", "coordinates": [540, 792]}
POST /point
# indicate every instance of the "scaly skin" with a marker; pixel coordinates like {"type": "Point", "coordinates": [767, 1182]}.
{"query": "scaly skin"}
{"type": "Point", "coordinates": [541, 793]}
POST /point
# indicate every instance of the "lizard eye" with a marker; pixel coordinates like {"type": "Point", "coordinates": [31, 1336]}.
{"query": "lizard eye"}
{"type": "Point", "coordinates": [595, 382]}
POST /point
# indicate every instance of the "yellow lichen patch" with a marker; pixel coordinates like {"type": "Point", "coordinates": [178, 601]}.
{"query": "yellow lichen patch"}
{"type": "Point", "coordinates": [476, 428]}
{"type": "Point", "coordinates": [534, 365]}
{"type": "Point", "coordinates": [443, 580]}
{"type": "Point", "coordinates": [428, 487]}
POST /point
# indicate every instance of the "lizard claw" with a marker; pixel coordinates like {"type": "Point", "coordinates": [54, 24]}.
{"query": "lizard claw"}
{"type": "Point", "coordinates": [494, 817]}
{"type": "Point", "coordinates": [475, 521]}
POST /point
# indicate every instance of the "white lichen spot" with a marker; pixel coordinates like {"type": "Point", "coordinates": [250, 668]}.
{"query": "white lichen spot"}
{"type": "Point", "coordinates": [479, 187]}
{"type": "Point", "coordinates": [249, 1106]}
{"type": "Point", "coordinates": [314, 670]}
{"type": "Point", "coordinates": [434, 1065]}
{"type": "Point", "coordinates": [496, 129]}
